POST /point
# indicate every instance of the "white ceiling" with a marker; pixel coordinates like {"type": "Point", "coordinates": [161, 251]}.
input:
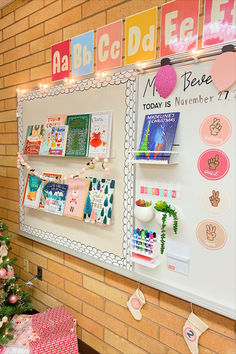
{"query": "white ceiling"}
{"type": "Point", "coordinates": [4, 3]}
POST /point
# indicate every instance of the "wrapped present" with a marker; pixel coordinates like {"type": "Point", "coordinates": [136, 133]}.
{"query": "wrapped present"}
{"type": "Point", "coordinates": [57, 319]}
{"type": "Point", "coordinates": [52, 331]}
{"type": "Point", "coordinates": [53, 342]}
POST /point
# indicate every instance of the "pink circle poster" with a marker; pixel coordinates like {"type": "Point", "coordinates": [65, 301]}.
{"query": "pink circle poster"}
{"type": "Point", "coordinates": [215, 130]}
{"type": "Point", "coordinates": [213, 164]}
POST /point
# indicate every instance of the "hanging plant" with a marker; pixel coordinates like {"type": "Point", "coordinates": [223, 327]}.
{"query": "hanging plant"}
{"type": "Point", "coordinates": [167, 211]}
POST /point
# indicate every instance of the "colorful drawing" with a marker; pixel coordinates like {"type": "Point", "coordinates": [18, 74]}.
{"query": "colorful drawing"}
{"type": "Point", "coordinates": [158, 135]}
{"type": "Point", "coordinates": [101, 196]}
{"type": "Point", "coordinates": [32, 192]}
{"type": "Point", "coordinates": [33, 139]}
{"type": "Point", "coordinates": [55, 120]}
{"type": "Point", "coordinates": [76, 197]}
{"type": "Point", "coordinates": [57, 177]}
{"type": "Point", "coordinates": [77, 142]}
{"type": "Point", "coordinates": [100, 134]}
{"type": "Point", "coordinates": [55, 197]}
{"type": "Point", "coordinates": [58, 140]}
{"type": "Point", "coordinates": [45, 141]}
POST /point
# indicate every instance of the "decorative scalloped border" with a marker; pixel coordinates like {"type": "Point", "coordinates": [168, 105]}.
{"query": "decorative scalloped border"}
{"type": "Point", "coordinates": [127, 77]}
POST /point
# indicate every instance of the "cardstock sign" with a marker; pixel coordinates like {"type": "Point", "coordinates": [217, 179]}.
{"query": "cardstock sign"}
{"type": "Point", "coordinates": [211, 234]}
{"type": "Point", "coordinates": [215, 130]}
{"type": "Point", "coordinates": [179, 26]}
{"type": "Point", "coordinates": [141, 36]}
{"type": "Point", "coordinates": [215, 201]}
{"type": "Point", "coordinates": [109, 46]}
{"type": "Point", "coordinates": [213, 164]}
{"type": "Point", "coordinates": [219, 22]}
{"type": "Point", "coordinates": [60, 60]}
{"type": "Point", "coordinates": [82, 54]}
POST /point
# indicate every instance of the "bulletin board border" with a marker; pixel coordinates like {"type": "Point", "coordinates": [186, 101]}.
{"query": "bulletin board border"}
{"type": "Point", "coordinates": [127, 77]}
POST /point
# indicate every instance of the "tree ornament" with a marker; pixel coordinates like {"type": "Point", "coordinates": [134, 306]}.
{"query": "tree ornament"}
{"type": "Point", "coordinates": [13, 299]}
{"type": "Point", "coordinates": [3, 273]}
{"type": "Point", "coordinates": [223, 71]}
{"type": "Point", "coordinates": [3, 251]}
{"type": "Point", "coordinates": [166, 78]}
{"type": "Point", "coordinates": [10, 272]}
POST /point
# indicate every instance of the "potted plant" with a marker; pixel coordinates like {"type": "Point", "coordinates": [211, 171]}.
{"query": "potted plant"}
{"type": "Point", "coordinates": [167, 218]}
{"type": "Point", "coordinates": [143, 210]}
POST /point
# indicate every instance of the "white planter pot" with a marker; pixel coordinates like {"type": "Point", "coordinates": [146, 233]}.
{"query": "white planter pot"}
{"type": "Point", "coordinates": [144, 214]}
{"type": "Point", "coordinates": [169, 220]}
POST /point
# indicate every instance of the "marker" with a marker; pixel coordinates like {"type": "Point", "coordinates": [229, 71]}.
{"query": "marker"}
{"type": "Point", "coordinates": [135, 239]}
{"type": "Point", "coordinates": [151, 244]}
{"type": "Point", "coordinates": [154, 237]}
{"type": "Point", "coordinates": [147, 242]}
{"type": "Point", "coordinates": [143, 241]}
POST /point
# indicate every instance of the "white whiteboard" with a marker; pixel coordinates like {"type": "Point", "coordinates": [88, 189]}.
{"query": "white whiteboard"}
{"type": "Point", "coordinates": [211, 280]}
{"type": "Point", "coordinates": [212, 272]}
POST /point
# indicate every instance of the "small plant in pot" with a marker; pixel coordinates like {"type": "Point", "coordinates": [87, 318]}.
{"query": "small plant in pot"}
{"type": "Point", "coordinates": [143, 210]}
{"type": "Point", "coordinates": [168, 213]}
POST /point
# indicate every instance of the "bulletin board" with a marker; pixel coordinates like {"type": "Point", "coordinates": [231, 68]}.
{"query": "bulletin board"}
{"type": "Point", "coordinates": [130, 96]}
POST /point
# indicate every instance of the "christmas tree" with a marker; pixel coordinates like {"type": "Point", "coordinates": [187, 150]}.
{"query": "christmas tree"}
{"type": "Point", "coordinates": [144, 145]}
{"type": "Point", "coordinates": [13, 298]}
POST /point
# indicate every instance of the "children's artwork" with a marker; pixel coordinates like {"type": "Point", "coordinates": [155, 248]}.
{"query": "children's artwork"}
{"type": "Point", "coordinates": [77, 142]}
{"type": "Point", "coordinates": [32, 192]}
{"type": "Point", "coordinates": [55, 120]}
{"type": "Point", "coordinates": [100, 134]}
{"type": "Point", "coordinates": [45, 141]}
{"type": "Point", "coordinates": [158, 135]}
{"type": "Point", "coordinates": [76, 197]}
{"type": "Point", "coordinates": [58, 140]}
{"type": "Point", "coordinates": [57, 177]}
{"type": "Point", "coordinates": [33, 139]}
{"type": "Point", "coordinates": [101, 196]}
{"type": "Point", "coordinates": [55, 197]}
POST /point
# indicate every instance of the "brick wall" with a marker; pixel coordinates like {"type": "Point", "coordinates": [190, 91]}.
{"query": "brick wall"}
{"type": "Point", "coordinates": [96, 297]}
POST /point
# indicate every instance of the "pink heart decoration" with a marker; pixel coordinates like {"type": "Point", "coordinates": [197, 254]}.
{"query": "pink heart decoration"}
{"type": "Point", "coordinates": [223, 71]}
{"type": "Point", "coordinates": [165, 80]}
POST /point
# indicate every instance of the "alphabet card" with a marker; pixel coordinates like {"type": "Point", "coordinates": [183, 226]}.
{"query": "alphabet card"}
{"type": "Point", "coordinates": [109, 46]}
{"type": "Point", "coordinates": [82, 54]}
{"type": "Point", "coordinates": [32, 192]}
{"type": "Point", "coordinates": [179, 26]}
{"type": "Point", "coordinates": [60, 60]}
{"type": "Point", "coordinates": [141, 36]}
{"type": "Point", "coordinates": [101, 197]}
{"type": "Point", "coordinates": [76, 197]}
{"type": "Point", "coordinates": [100, 134]}
{"type": "Point", "coordinates": [219, 22]}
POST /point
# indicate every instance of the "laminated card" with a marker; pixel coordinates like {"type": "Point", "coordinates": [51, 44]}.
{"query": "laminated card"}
{"type": "Point", "coordinates": [77, 142]}
{"type": "Point", "coordinates": [100, 134]}
{"type": "Point", "coordinates": [32, 192]}
{"type": "Point", "coordinates": [76, 197]}
{"type": "Point", "coordinates": [101, 196]}
{"type": "Point", "coordinates": [158, 135]}
{"type": "Point", "coordinates": [33, 139]}
{"type": "Point", "coordinates": [58, 140]}
{"type": "Point", "coordinates": [55, 197]}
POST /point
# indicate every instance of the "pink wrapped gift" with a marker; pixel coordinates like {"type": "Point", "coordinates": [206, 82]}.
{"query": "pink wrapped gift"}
{"type": "Point", "coordinates": [57, 319]}
{"type": "Point", "coordinates": [53, 342]}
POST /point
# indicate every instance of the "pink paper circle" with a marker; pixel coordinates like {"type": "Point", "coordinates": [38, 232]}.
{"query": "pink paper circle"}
{"type": "Point", "coordinates": [191, 338]}
{"type": "Point", "coordinates": [215, 130]}
{"type": "Point", "coordinates": [206, 164]}
{"type": "Point", "coordinates": [135, 303]}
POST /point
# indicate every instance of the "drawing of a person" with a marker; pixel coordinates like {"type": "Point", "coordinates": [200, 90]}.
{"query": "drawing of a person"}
{"type": "Point", "coordinates": [73, 200]}
{"type": "Point", "coordinates": [96, 139]}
